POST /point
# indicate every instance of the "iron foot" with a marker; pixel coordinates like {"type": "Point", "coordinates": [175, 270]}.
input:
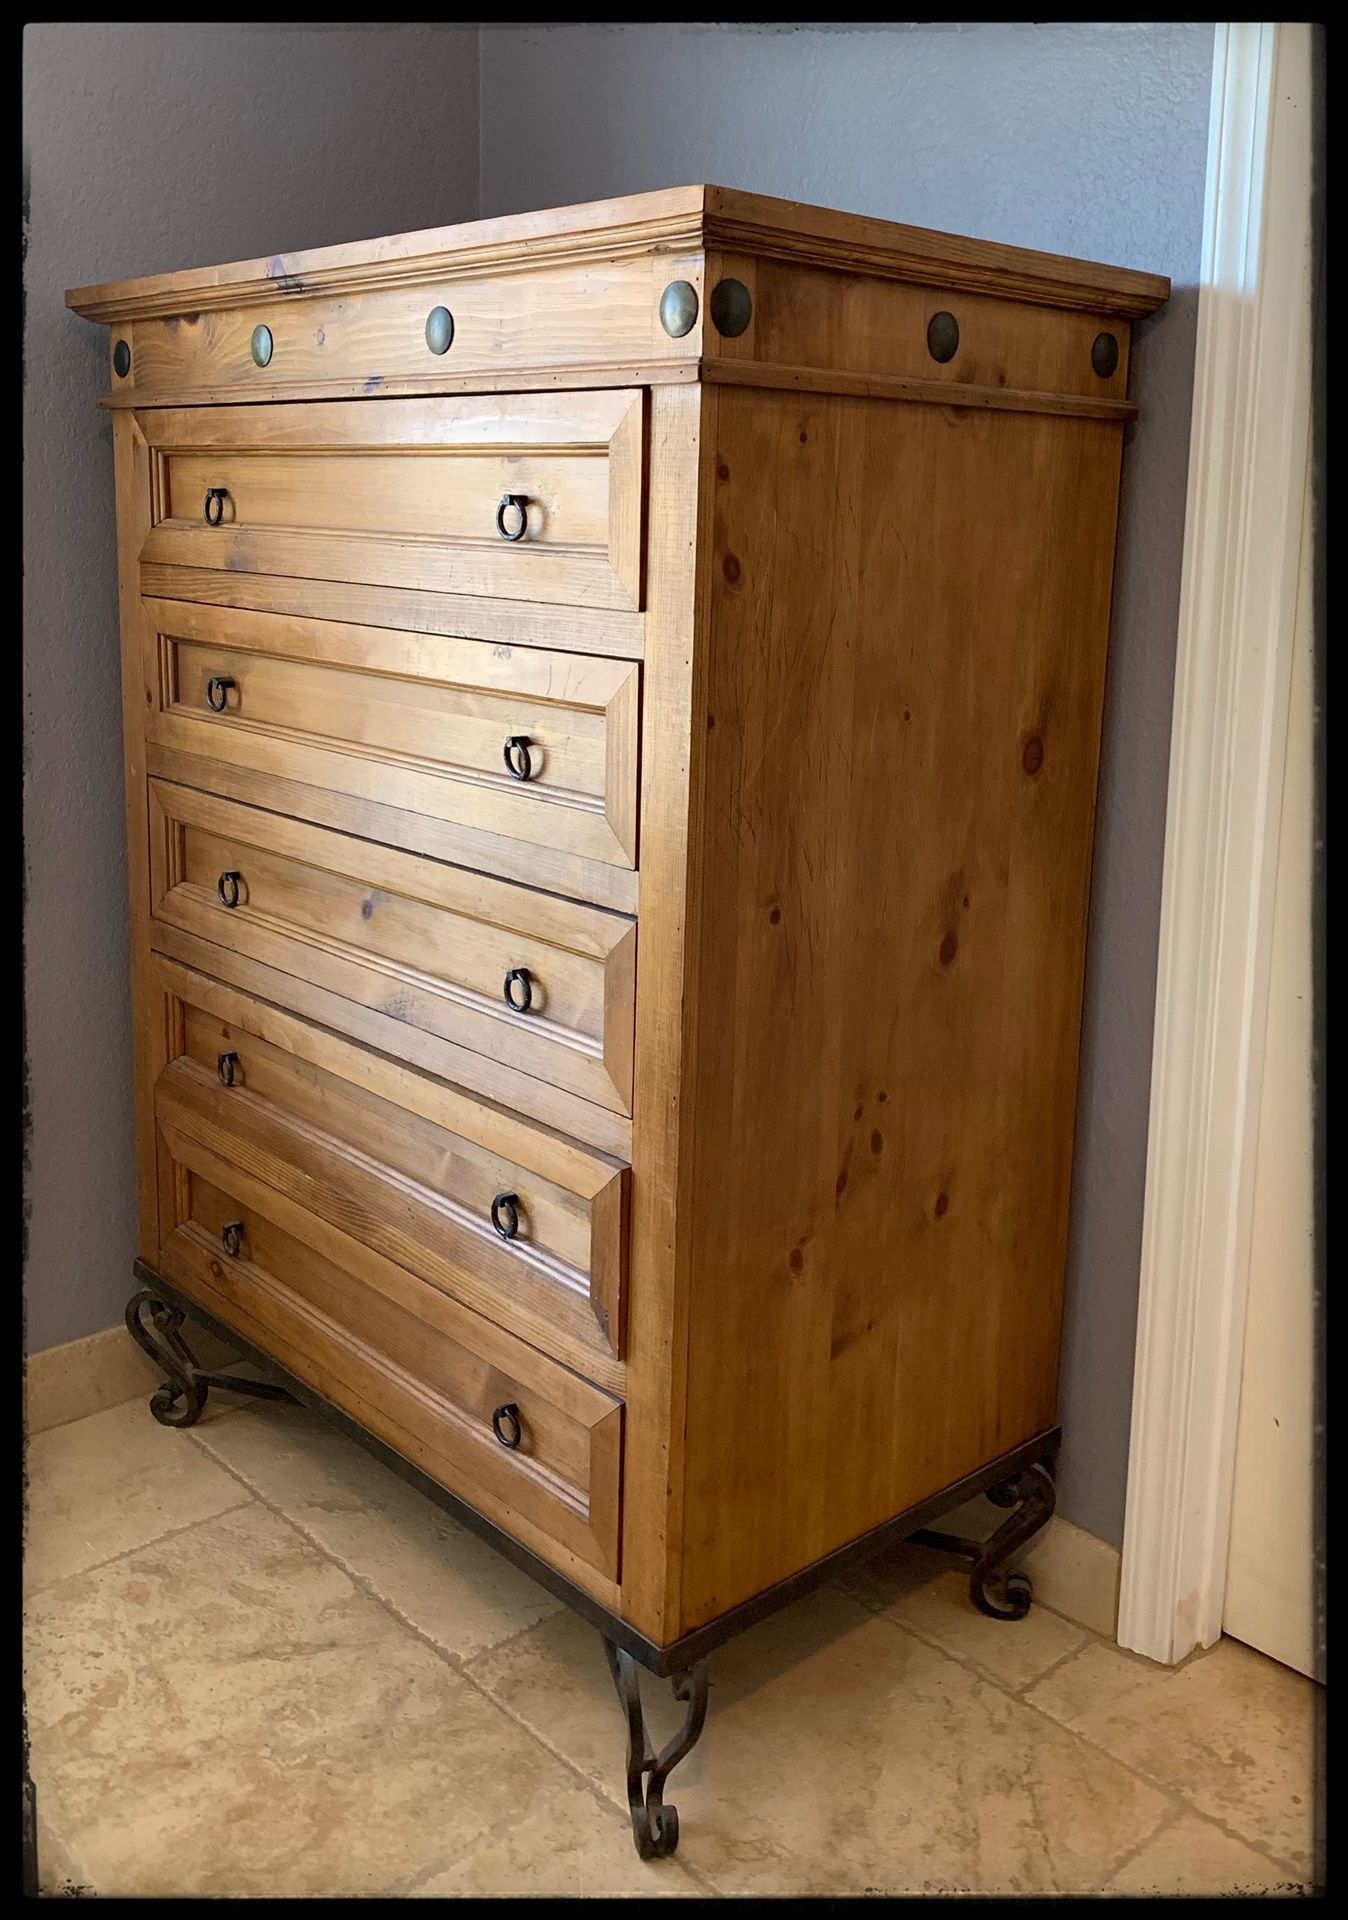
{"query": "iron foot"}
{"type": "Point", "coordinates": [156, 1328]}
{"type": "Point", "coordinates": [655, 1826]}
{"type": "Point", "coordinates": [1002, 1596]}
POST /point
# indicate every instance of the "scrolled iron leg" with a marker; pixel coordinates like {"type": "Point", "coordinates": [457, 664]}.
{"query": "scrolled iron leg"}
{"type": "Point", "coordinates": [156, 1328]}
{"type": "Point", "coordinates": [1002, 1596]}
{"type": "Point", "coordinates": [655, 1826]}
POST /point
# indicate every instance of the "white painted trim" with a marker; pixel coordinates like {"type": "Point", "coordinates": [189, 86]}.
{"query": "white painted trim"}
{"type": "Point", "coordinates": [1247, 463]}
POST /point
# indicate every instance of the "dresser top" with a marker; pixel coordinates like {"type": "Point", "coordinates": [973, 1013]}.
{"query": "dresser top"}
{"type": "Point", "coordinates": [674, 220]}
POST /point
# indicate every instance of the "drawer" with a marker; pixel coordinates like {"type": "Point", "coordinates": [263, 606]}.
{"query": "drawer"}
{"type": "Point", "coordinates": [410, 493]}
{"type": "Point", "coordinates": [510, 743]}
{"type": "Point", "coordinates": [414, 1367]}
{"type": "Point", "coordinates": [505, 988]}
{"type": "Point", "coordinates": [522, 1227]}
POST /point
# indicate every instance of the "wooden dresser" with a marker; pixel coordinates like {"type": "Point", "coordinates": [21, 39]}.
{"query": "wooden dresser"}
{"type": "Point", "coordinates": [612, 705]}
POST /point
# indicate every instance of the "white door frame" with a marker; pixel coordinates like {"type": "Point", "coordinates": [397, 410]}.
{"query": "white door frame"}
{"type": "Point", "coordinates": [1247, 467]}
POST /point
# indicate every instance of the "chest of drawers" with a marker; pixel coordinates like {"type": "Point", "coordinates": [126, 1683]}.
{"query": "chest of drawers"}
{"type": "Point", "coordinates": [612, 704]}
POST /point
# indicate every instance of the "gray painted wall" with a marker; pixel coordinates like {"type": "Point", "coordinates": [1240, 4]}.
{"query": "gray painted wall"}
{"type": "Point", "coordinates": [150, 147]}
{"type": "Point", "coordinates": [156, 147]}
{"type": "Point", "coordinates": [1082, 139]}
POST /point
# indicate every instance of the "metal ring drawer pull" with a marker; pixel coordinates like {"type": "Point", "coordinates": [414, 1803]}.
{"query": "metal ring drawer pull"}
{"type": "Point", "coordinates": [505, 1215]}
{"type": "Point", "coordinates": [505, 1424]}
{"type": "Point", "coordinates": [217, 692]}
{"type": "Point", "coordinates": [232, 1234]}
{"type": "Point", "coordinates": [518, 760]}
{"type": "Point", "coordinates": [226, 1066]}
{"type": "Point", "coordinates": [215, 498]}
{"type": "Point", "coordinates": [227, 886]}
{"type": "Point", "coordinates": [519, 503]}
{"type": "Point", "coordinates": [522, 978]}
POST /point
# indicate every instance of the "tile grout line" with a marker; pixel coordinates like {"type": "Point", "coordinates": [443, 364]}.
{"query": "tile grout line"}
{"type": "Point", "coordinates": [1171, 1793]}
{"type": "Point", "coordinates": [1179, 1802]}
{"type": "Point", "coordinates": [169, 1533]}
{"type": "Point", "coordinates": [881, 1610]}
{"type": "Point", "coordinates": [1171, 1819]}
{"type": "Point", "coordinates": [455, 1662]}
{"type": "Point", "coordinates": [598, 1792]}
{"type": "Point", "coordinates": [358, 1579]}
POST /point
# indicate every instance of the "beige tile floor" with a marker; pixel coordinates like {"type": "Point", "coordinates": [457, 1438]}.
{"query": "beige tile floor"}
{"type": "Point", "coordinates": [258, 1663]}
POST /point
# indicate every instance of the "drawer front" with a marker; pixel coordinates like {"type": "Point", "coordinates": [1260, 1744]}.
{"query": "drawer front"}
{"type": "Point", "coordinates": [411, 493]}
{"type": "Point", "coordinates": [516, 987]}
{"type": "Point", "coordinates": [510, 743]}
{"type": "Point", "coordinates": [521, 1228]}
{"type": "Point", "coordinates": [414, 1367]}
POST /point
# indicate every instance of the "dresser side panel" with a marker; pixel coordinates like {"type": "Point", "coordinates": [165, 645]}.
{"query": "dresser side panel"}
{"type": "Point", "coordinates": [907, 629]}
{"type": "Point", "coordinates": [672, 752]}
{"type": "Point", "coordinates": [134, 484]}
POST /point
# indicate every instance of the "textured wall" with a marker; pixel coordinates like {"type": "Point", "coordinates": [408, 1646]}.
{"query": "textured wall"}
{"type": "Point", "coordinates": [150, 147]}
{"type": "Point", "coordinates": [1081, 139]}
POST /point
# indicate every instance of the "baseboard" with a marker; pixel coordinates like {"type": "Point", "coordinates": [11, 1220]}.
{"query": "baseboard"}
{"type": "Point", "coordinates": [1073, 1571]}
{"type": "Point", "coordinates": [102, 1370]}
{"type": "Point", "coordinates": [1077, 1574]}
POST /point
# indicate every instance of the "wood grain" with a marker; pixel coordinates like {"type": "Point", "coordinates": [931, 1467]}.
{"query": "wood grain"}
{"type": "Point", "coordinates": [406, 494]}
{"type": "Point", "coordinates": [901, 724]}
{"type": "Point", "coordinates": [667, 1011]}
{"type": "Point", "coordinates": [497, 621]}
{"type": "Point", "coordinates": [807, 639]}
{"type": "Point", "coordinates": [403, 936]}
{"type": "Point", "coordinates": [851, 324]}
{"type": "Point", "coordinates": [380, 1339]}
{"type": "Point", "coordinates": [495, 853]}
{"type": "Point", "coordinates": [133, 471]}
{"type": "Point", "coordinates": [411, 721]}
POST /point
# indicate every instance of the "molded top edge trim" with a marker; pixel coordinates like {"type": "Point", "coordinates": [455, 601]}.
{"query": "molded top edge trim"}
{"type": "Point", "coordinates": [673, 219]}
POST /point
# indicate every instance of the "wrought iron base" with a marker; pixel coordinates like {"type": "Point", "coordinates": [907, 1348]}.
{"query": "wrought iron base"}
{"type": "Point", "coordinates": [155, 1326]}
{"type": "Point", "coordinates": [655, 1826]}
{"type": "Point", "coordinates": [1022, 1479]}
{"type": "Point", "coordinates": [1031, 1493]}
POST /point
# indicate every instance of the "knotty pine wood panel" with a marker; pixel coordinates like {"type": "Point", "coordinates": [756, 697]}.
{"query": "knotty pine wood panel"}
{"type": "Point", "coordinates": [428, 945]}
{"type": "Point", "coordinates": [667, 1009]}
{"type": "Point", "coordinates": [413, 721]}
{"type": "Point", "coordinates": [401, 1357]}
{"type": "Point", "coordinates": [500, 622]}
{"type": "Point", "coordinates": [604, 316]}
{"type": "Point", "coordinates": [906, 645]}
{"type": "Point", "coordinates": [405, 494]}
{"type": "Point", "coordinates": [851, 323]}
{"type": "Point", "coordinates": [152, 1043]}
{"type": "Point", "coordinates": [560, 1284]}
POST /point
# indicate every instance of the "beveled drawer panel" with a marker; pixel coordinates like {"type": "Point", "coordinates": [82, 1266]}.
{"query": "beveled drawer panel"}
{"type": "Point", "coordinates": [411, 493]}
{"type": "Point", "coordinates": [519, 1227]}
{"type": "Point", "coordinates": [435, 1381]}
{"type": "Point", "coordinates": [429, 949]}
{"type": "Point", "coordinates": [516, 743]}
